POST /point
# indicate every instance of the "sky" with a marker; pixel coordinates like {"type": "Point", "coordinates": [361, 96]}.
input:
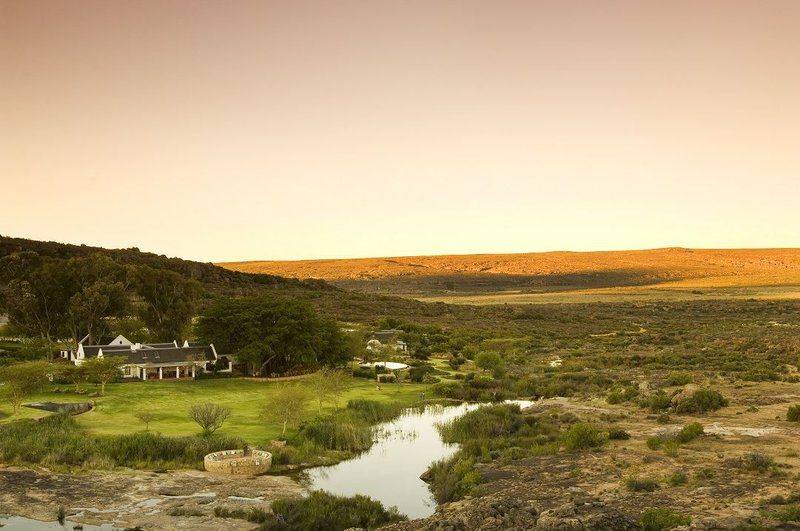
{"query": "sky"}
{"type": "Point", "coordinates": [238, 130]}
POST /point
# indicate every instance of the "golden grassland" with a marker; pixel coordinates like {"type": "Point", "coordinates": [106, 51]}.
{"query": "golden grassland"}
{"type": "Point", "coordinates": [610, 276]}
{"type": "Point", "coordinates": [723, 266]}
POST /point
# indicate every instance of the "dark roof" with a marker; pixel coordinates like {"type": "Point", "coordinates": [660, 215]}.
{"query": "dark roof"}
{"type": "Point", "coordinates": [92, 350]}
{"type": "Point", "coordinates": [170, 355]}
{"type": "Point", "coordinates": [386, 335]}
{"type": "Point", "coordinates": [158, 345]}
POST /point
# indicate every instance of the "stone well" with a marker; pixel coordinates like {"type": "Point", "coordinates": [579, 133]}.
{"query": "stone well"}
{"type": "Point", "coordinates": [238, 462]}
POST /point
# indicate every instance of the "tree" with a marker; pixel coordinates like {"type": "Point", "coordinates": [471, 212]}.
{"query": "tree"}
{"type": "Point", "coordinates": [21, 380]}
{"type": "Point", "coordinates": [37, 348]}
{"type": "Point", "coordinates": [101, 291]}
{"type": "Point", "coordinates": [286, 406]}
{"type": "Point", "coordinates": [103, 370]}
{"type": "Point", "coordinates": [74, 374]}
{"type": "Point", "coordinates": [145, 417]}
{"type": "Point", "coordinates": [328, 385]}
{"type": "Point", "coordinates": [273, 335]}
{"type": "Point", "coordinates": [168, 301]}
{"type": "Point", "coordinates": [490, 361]}
{"type": "Point", "coordinates": [55, 297]}
{"type": "Point", "coordinates": [210, 417]}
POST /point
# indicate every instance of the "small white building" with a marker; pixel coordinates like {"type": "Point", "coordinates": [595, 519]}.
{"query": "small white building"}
{"type": "Point", "coordinates": [152, 360]}
{"type": "Point", "coordinates": [389, 338]}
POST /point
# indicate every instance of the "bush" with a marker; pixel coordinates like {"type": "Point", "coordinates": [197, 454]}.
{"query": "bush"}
{"type": "Point", "coordinates": [753, 462]}
{"type": "Point", "coordinates": [582, 437]}
{"type": "Point", "coordinates": [452, 479]}
{"type": "Point", "coordinates": [657, 402]}
{"type": "Point", "coordinates": [678, 478]}
{"type": "Point", "coordinates": [690, 432]}
{"type": "Point", "coordinates": [790, 513]}
{"type": "Point", "coordinates": [417, 374]}
{"type": "Point", "coordinates": [657, 519]}
{"type": "Point", "coordinates": [364, 372]}
{"type": "Point", "coordinates": [618, 435]}
{"type": "Point", "coordinates": [705, 473]}
{"type": "Point", "coordinates": [618, 396]}
{"type": "Point", "coordinates": [637, 484]}
{"type": "Point", "coordinates": [324, 511]}
{"type": "Point", "coordinates": [679, 378]}
{"type": "Point", "coordinates": [793, 414]}
{"type": "Point", "coordinates": [701, 401]}
{"type": "Point", "coordinates": [654, 443]}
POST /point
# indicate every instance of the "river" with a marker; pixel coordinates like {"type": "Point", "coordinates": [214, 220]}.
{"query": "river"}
{"type": "Point", "coordinates": [390, 470]}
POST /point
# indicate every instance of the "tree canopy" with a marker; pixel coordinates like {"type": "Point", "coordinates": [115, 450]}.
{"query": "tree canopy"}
{"type": "Point", "coordinates": [57, 298]}
{"type": "Point", "coordinates": [274, 335]}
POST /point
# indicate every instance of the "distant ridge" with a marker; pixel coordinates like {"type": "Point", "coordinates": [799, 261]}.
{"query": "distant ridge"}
{"type": "Point", "coordinates": [671, 266]}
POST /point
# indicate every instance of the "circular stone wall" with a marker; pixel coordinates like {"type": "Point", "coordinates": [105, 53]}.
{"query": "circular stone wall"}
{"type": "Point", "coordinates": [236, 462]}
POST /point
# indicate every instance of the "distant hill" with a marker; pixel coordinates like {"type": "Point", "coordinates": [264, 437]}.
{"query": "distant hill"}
{"type": "Point", "coordinates": [216, 280]}
{"type": "Point", "coordinates": [553, 271]}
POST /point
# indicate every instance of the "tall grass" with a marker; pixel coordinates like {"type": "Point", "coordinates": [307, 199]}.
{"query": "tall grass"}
{"type": "Point", "coordinates": [483, 423]}
{"type": "Point", "coordinates": [372, 411]}
{"type": "Point", "coordinates": [58, 440]}
{"type": "Point", "coordinates": [349, 429]}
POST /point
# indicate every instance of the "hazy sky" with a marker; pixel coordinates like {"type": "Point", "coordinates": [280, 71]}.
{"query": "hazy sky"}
{"type": "Point", "coordinates": [254, 130]}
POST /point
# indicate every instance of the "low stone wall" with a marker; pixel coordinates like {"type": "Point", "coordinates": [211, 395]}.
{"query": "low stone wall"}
{"type": "Point", "coordinates": [237, 462]}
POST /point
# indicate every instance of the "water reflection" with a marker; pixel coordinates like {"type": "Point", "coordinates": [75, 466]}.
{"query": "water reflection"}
{"type": "Point", "coordinates": [18, 523]}
{"type": "Point", "coordinates": [390, 470]}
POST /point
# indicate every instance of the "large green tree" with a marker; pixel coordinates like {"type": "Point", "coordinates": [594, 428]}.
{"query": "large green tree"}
{"type": "Point", "coordinates": [168, 301]}
{"type": "Point", "coordinates": [56, 298]}
{"type": "Point", "coordinates": [273, 335]}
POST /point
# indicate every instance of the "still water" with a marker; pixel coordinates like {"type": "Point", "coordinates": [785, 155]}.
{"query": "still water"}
{"type": "Point", "coordinates": [18, 523]}
{"type": "Point", "coordinates": [390, 470]}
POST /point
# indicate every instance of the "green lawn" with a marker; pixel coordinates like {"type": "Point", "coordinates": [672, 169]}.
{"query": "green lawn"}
{"type": "Point", "coordinates": [170, 402]}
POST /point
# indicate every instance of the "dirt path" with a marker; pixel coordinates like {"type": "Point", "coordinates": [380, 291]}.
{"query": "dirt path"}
{"type": "Point", "coordinates": [171, 500]}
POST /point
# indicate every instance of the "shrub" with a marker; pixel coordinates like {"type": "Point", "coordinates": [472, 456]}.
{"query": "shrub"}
{"type": "Point", "coordinates": [678, 478]}
{"type": "Point", "coordinates": [705, 473]}
{"type": "Point", "coordinates": [790, 513]}
{"type": "Point", "coordinates": [322, 510]}
{"type": "Point", "coordinates": [619, 396]}
{"type": "Point", "coordinates": [679, 378]}
{"type": "Point", "coordinates": [793, 414]}
{"type": "Point", "coordinates": [637, 484]}
{"type": "Point", "coordinates": [364, 372]}
{"type": "Point", "coordinates": [582, 437]}
{"type": "Point", "coordinates": [656, 402]}
{"type": "Point", "coordinates": [618, 434]}
{"type": "Point", "coordinates": [690, 432]}
{"type": "Point", "coordinates": [753, 462]}
{"type": "Point", "coordinates": [417, 374]}
{"type": "Point", "coordinates": [657, 519]}
{"type": "Point", "coordinates": [701, 401]}
{"type": "Point", "coordinates": [452, 479]}
{"type": "Point", "coordinates": [654, 443]}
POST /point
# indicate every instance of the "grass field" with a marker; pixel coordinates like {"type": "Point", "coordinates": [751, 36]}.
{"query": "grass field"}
{"type": "Point", "coordinates": [660, 293]}
{"type": "Point", "coordinates": [170, 401]}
